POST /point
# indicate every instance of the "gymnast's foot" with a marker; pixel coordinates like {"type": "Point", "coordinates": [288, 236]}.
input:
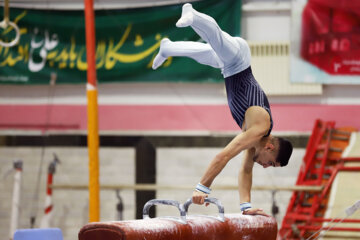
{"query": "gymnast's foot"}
{"type": "Point", "coordinates": [187, 16]}
{"type": "Point", "coordinates": [161, 56]}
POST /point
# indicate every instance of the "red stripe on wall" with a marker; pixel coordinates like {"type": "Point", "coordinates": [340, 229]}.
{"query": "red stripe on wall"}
{"type": "Point", "coordinates": [287, 117]}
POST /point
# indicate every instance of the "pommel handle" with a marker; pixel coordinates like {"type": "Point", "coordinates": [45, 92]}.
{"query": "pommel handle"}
{"type": "Point", "coordinates": [153, 202]}
{"type": "Point", "coordinates": [215, 201]}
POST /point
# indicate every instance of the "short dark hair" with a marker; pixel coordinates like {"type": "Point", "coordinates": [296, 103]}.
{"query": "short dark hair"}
{"type": "Point", "coordinates": [284, 151]}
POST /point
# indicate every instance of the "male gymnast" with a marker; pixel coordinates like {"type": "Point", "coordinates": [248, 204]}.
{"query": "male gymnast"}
{"type": "Point", "coordinates": [248, 103]}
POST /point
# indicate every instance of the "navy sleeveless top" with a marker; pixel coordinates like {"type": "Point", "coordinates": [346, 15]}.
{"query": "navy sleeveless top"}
{"type": "Point", "coordinates": [243, 91]}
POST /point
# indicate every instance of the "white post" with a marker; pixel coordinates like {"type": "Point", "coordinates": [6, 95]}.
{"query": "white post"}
{"type": "Point", "coordinates": [16, 198]}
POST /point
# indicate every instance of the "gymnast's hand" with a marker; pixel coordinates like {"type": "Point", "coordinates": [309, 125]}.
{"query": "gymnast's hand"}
{"type": "Point", "coordinates": [255, 211]}
{"type": "Point", "coordinates": [199, 198]}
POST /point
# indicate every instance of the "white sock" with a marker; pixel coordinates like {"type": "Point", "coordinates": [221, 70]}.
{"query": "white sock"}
{"type": "Point", "coordinates": [160, 57]}
{"type": "Point", "coordinates": [187, 16]}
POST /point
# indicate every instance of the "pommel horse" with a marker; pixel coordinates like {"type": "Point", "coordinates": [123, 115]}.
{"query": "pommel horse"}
{"type": "Point", "coordinates": [185, 227]}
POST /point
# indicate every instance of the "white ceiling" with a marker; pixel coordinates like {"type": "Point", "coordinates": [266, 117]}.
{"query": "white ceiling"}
{"type": "Point", "coordinates": [98, 4]}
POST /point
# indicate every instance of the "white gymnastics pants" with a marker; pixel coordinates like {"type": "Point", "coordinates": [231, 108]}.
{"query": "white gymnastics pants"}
{"type": "Point", "coordinates": [230, 54]}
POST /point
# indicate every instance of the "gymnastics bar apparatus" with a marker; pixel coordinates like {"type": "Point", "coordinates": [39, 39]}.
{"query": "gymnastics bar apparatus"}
{"type": "Point", "coordinates": [222, 227]}
{"type": "Point", "coordinates": [322, 162]}
{"type": "Point", "coordinates": [155, 187]}
{"type": "Point", "coordinates": [92, 113]}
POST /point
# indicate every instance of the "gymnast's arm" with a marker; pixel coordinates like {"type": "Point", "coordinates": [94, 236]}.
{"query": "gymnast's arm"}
{"type": "Point", "coordinates": [241, 142]}
{"type": "Point", "coordinates": [245, 176]}
{"type": "Point", "coordinates": [245, 182]}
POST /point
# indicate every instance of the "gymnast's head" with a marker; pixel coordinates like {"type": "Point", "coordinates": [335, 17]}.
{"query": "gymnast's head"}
{"type": "Point", "coordinates": [276, 152]}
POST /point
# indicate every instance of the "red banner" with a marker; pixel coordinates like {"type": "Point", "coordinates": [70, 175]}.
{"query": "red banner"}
{"type": "Point", "coordinates": [330, 36]}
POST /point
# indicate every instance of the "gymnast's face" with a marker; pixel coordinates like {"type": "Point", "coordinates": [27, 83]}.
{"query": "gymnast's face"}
{"type": "Point", "coordinates": [266, 157]}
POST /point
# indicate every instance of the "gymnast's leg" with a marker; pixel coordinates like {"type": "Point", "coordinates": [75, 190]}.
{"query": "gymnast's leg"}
{"type": "Point", "coordinates": [225, 46]}
{"type": "Point", "coordinates": [200, 52]}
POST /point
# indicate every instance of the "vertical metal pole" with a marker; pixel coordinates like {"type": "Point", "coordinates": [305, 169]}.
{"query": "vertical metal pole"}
{"type": "Point", "coordinates": [92, 108]}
